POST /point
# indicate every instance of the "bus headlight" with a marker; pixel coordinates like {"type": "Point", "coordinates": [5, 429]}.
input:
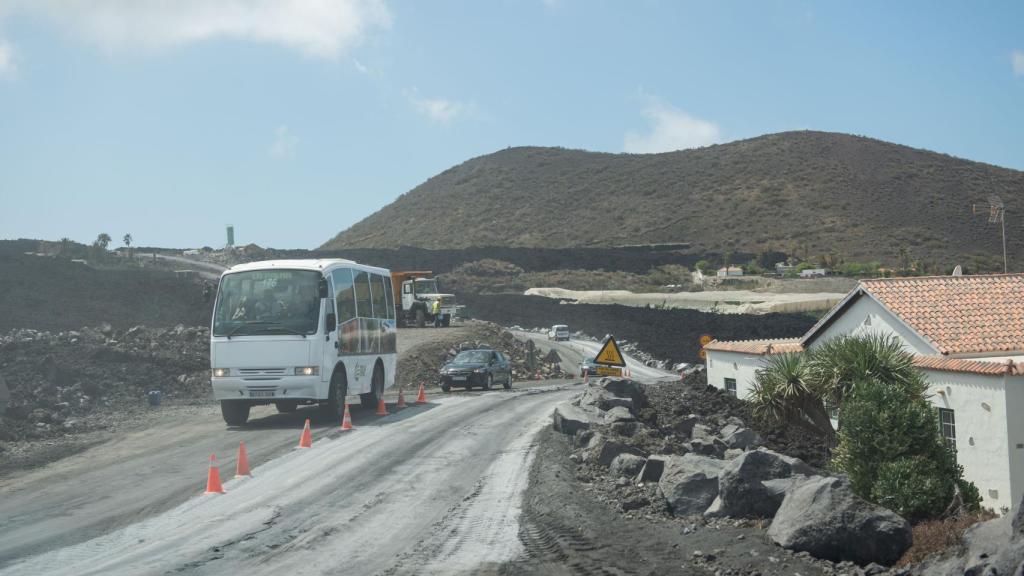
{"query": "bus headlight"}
{"type": "Point", "coordinates": [307, 370]}
{"type": "Point", "coordinates": [220, 372]}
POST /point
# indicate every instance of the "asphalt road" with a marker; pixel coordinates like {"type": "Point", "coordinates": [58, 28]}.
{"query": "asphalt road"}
{"type": "Point", "coordinates": [573, 352]}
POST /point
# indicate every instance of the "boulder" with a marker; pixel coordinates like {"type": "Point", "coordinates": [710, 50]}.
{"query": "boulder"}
{"type": "Point", "coordinates": [608, 450]}
{"type": "Point", "coordinates": [618, 414]}
{"type": "Point", "coordinates": [823, 517]}
{"type": "Point", "coordinates": [689, 483]}
{"type": "Point", "coordinates": [626, 465]}
{"type": "Point", "coordinates": [568, 418]}
{"type": "Point", "coordinates": [653, 468]}
{"type": "Point", "coordinates": [625, 388]}
{"type": "Point", "coordinates": [741, 483]}
{"type": "Point", "coordinates": [684, 426]}
{"type": "Point", "coordinates": [595, 396]}
{"type": "Point", "coordinates": [739, 437]}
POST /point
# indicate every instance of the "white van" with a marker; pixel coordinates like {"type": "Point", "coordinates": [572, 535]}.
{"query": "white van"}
{"type": "Point", "coordinates": [290, 332]}
{"type": "Point", "coordinates": [558, 332]}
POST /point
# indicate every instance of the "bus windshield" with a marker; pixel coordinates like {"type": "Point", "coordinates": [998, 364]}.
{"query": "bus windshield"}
{"type": "Point", "coordinates": [268, 302]}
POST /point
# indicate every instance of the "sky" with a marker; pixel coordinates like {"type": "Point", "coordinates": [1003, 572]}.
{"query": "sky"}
{"type": "Point", "coordinates": [293, 119]}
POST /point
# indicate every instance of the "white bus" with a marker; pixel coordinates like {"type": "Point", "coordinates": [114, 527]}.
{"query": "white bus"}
{"type": "Point", "coordinates": [292, 332]}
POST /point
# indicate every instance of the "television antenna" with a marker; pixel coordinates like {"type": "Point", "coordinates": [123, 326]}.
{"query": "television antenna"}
{"type": "Point", "coordinates": [996, 214]}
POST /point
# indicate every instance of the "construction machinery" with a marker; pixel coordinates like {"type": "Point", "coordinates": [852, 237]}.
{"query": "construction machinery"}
{"type": "Point", "coordinates": [415, 293]}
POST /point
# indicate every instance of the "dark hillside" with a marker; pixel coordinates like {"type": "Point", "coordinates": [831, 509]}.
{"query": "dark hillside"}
{"type": "Point", "coordinates": [48, 293]}
{"type": "Point", "coordinates": [803, 193]}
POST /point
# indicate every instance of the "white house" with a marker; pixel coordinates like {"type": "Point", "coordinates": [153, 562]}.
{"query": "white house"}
{"type": "Point", "coordinates": [730, 271]}
{"type": "Point", "coordinates": [813, 273]}
{"type": "Point", "coordinates": [967, 335]}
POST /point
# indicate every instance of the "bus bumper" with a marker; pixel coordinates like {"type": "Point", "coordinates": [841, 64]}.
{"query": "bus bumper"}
{"type": "Point", "coordinates": [284, 388]}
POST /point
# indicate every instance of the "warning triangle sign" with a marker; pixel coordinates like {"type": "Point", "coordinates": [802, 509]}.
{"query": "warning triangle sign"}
{"type": "Point", "coordinates": [610, 355]}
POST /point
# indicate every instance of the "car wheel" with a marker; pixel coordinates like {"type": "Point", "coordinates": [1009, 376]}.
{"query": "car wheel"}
{"type": "Point", "coordinates": [489, 382]}
{"type": "Point", "coordinates": [445, 388]}
{"type": "Point", "coordinates": [235, 412]}
{"type": "Point", "coordinates": [508, 382]}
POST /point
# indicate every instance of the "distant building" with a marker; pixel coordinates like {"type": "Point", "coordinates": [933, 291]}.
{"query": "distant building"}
{"type": "Point", "coordinates": [813, 273]}
{"type": "Point", "coordinates": [784, 268]}
{"type": "Point", "coordinates": [730, 271]}
{"type": "Point", "coordinates": [966, 334]}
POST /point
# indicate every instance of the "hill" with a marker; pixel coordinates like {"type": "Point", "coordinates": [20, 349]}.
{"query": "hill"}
{"type": "Point", "coordinates": [803, 193]}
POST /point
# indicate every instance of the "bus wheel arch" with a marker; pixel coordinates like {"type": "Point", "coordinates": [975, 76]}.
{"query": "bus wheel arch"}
{"type": "Point", "coordinates": [335, 404]}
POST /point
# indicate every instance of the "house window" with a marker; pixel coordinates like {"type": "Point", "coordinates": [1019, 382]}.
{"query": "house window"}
{"type": "Point", "coordinates": [947, 425]}
{"type": "Point", "coordinates": [730, 386]}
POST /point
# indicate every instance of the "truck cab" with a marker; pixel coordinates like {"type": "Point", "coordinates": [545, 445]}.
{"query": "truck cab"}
{"type": "Point", "coordinates": [418, 291]}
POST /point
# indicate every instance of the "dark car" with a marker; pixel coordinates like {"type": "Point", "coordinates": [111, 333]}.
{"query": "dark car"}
{"type": "Point", "coordinates": [588, 365]}
{"type": "Point", "coordinates": [483, 368]}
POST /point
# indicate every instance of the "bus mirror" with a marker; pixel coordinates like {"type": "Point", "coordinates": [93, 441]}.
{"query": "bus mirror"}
{"type": "Point", "coordinates": [322, 287]}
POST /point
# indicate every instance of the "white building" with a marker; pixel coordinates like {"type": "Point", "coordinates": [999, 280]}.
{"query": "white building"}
{"type": "Point", "coordinates": [813, 273]}
{"type": "Point", "coordinates": [730, 271]}
{"type": "Point", "coordinates": [967, 334]}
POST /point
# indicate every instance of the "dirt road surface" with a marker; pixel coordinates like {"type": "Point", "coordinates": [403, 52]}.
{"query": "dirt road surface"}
{"type": "Point", "coordinates": [146, 471]}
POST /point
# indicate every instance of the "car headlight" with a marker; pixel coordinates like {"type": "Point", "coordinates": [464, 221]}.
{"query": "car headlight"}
{"type": "Point", "coordinates": [480, 370]}
{"type": "Point", "coordinates": [220, 372]}
{"type": "Point", "coordinates": [307, 370]}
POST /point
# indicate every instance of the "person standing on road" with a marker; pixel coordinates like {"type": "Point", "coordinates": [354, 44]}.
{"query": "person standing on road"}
{"type": "Point", "coordinates": [436, 311]}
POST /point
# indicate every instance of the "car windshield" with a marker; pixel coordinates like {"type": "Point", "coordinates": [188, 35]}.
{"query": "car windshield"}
{"type": "Point", "coordinates": [590, 361]}
{"type": "Point", "coordinates": [473, 357]}
{"type": "Point", "coordinates": [426, 287]}
{"type": "Point", "coordinates": [267, 302]}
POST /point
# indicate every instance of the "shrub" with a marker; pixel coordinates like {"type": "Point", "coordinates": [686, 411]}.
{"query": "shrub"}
{"type": "Point", "coordinates": [892, 450]}
{"type": "Point", "coordinates": [934, 536]}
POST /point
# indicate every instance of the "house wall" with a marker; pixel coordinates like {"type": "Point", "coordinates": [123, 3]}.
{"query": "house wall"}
{"type": "Point", "coordinates": [742, 367]}
{"type": "Point", "coordinates": [979, 405]}
{"type": "Point", "coordinates": [852, 321]}
{"type": "Point", "coordinates": [1015, 433]}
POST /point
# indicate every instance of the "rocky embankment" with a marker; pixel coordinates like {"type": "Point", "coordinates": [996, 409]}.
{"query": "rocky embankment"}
{"type": "Point", "coordinates": [65, 382]}
{"type": "Point", "coordinates": [707, 467]}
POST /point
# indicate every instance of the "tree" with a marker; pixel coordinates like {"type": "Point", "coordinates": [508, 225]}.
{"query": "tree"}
{"type": "Point", "coordinates": [784, 391]}
{"type": "Point", "coordinates": [65, 246]}
{"type": "Point", "coordinates": [128, 244]}
{"type": "Point", "coordinates": [704, 266]}
{"type": "Point", "coordinates": [102, 241]}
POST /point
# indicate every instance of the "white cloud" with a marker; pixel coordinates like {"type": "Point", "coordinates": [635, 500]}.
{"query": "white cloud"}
{"type": "Point", "coordinates": [1017, 58]}
{"type": "Point", "coordinates": [671, 129]}
{"type": "Point", "coordinates": [320, 28]}
{"type": "Point", "coordinates": [284, 143]}
{"type": "Point", "coordinates": [8, 60]}
{"type": "Point", "coordinates": [439, 110]}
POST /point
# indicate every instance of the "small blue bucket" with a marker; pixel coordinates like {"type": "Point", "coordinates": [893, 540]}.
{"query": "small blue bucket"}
{"type": "Point", "coordinates": [154, 397]}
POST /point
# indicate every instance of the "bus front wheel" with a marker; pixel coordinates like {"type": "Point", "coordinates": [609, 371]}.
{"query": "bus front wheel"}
{"type": "Point", "coordinates": [235, 412]}
{"type": "Point", "coordinates": [421, 318]}
{"type": "Point", "coordinates": [335, 405]}
{"type": "Point", "coordinates": [372, 398]}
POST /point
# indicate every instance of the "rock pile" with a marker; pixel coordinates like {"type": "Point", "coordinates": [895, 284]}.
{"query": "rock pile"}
{"type": "Point", "coordinates": [56, 379]}
{"type": "Point", "coordinates": [717, 468]}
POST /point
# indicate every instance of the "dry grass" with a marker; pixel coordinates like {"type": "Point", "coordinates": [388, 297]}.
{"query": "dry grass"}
{"type": "Point", "coordinates": [935, 536]}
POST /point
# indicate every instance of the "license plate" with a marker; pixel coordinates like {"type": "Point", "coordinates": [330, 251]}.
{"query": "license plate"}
{"type": "Point", "coordinates": [261, 393]}
{"type": "Point", "coordinates": [458, 377]}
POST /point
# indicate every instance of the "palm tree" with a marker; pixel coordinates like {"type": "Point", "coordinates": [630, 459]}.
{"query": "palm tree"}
{"type": "Point", "coordinates": [800, 388]}
{"type": "Point", "coordinates": [128, 244]}
{"type": "Point", "coordinates": [784, 391]}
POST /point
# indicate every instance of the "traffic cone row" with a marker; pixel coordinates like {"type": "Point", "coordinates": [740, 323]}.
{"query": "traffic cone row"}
{"type": "Point", "coordinates": [213, 481]}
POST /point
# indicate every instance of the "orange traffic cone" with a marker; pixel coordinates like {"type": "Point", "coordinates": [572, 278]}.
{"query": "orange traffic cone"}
{"type": "Point", "coordinates": [382, 408]}
{"type": "Point", "coordinates": [213, 485]}
{"type": "Point", "coordinates": [401, 398]}
{"type": "Point", "coordinates": [346, 420]}
{"type": "Point", "coordinates": [422, 397]}
{"type": "Point", "coordinates": [242, 466]}
{"type": "Point", "coordinates": [306, 440]}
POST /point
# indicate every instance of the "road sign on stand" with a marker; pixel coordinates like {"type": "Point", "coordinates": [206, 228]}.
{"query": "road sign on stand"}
{"type": "Point", "coordinates": [608, 370]}
{"type": "Point", "coordinates": [610, 355]}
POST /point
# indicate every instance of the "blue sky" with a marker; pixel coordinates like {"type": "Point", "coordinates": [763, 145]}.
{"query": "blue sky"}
{"type": "Point", "coordinates": [293, 119]}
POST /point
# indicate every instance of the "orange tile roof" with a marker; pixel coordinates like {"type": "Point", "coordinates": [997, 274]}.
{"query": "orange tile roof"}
{"type": "Point", "coordinates": [760, 347]}
{"type": "Point", "coordinates": [958, 314]}
{"type": "Point", "coordinates": [947, 364]}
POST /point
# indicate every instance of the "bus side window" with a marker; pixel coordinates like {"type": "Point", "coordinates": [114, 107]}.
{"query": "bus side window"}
{"type": "Point", "coordinates": [380, 297]}
{"type": "Point", "coordinates": [389, 289]}
{"type": "Point", "coordinates": [364, 303]}
{"type": "Point", "coordinates": [345, 297]}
